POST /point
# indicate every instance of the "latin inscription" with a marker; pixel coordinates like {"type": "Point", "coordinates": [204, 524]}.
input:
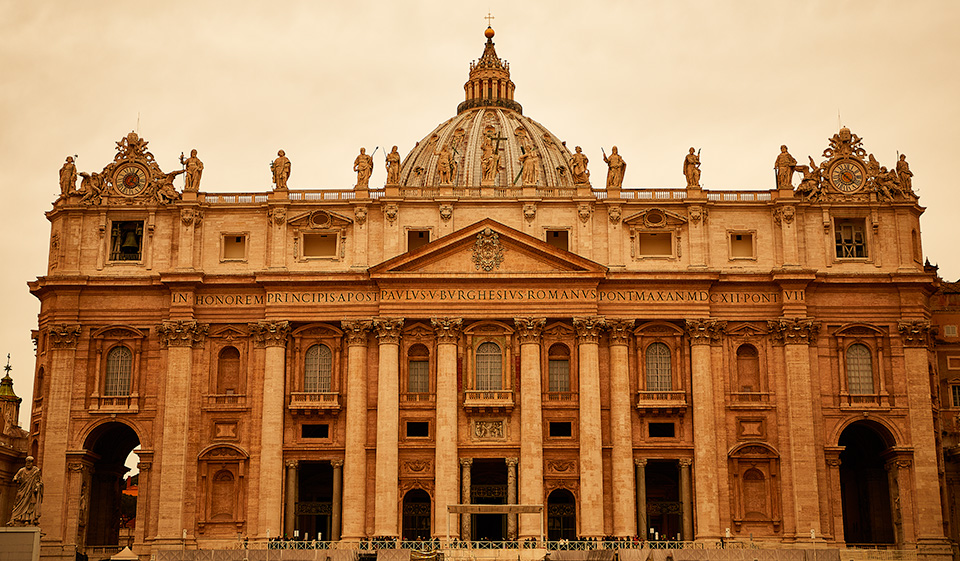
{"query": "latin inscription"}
{"type": "Point", "coordinates": [486, 295]}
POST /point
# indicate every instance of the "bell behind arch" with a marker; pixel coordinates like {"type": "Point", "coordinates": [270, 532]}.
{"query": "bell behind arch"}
{"type": "Point", "coordinates": [130, 242]}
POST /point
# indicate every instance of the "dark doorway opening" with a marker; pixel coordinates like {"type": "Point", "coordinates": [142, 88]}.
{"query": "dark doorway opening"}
{"type": "Point", "coordinates": [105, 509]}
{"type": "Point", "coordinates": [416, 515]}
{"type": "Point", "coordinates": [561, 516]}
{"type": "Point", "coordinates": [664, 510]}
{"type": "Point", "coordinates": [314, 500]}
{"type": "Point", "coordinates": [488, 486]}
{"type": "Point", "coordinates": [864, 487]}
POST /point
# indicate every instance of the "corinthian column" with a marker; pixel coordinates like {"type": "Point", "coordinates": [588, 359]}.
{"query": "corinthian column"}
{"type": "Point", "coordinates": [63, 349]}
{"type": "Point", "coordinates": [591, 459]}
{"type": "Point", "coordinates": [465, 491]}
{"type": "Point", "coordinates": [511, 496]}
{"type": "Point", "coordinates": [290, 499]}
{"type": "Point", "coordinates": [272, 337]}
{"type": "Point", "coordinates": [337, 500]}
{"type": "Point", "coordinates": [796, 335]}
{"type": "Point", "coordinates": [702, 333]}
{"type": "Point", "coordinates": [179, 339]}
{"type": "Point", "coordinates": [916, 337]}
{"type": "Point", "coordinates": [355, 440]}
{"type": "Point", "coordinates": [388, 419]}
{"type": "Point", "coordinates": [446, 481]}
{"type": "Point", "coordinates": [531, 423]}
{"type": "Point", "coordinates": [621, 433]}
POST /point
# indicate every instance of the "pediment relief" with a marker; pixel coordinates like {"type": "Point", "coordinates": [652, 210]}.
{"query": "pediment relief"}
{"type": "Point", "coordinates": [746, 330]}
{"type": "Point", "coordinates": [318, 331]}
{"type": "Point", "coordinates": [319, 220]}
{"type": "Point", "coordinates": [119, 332]}
{"type": "Point", "coordinates": [488, 328]}
{"type": "Point", "coordinates": [658, 329]}
{"type": "Point", "coordinates": [223, 452]}
{"type": "Point", "coordinates": [488, 248]}
{"type": "Point", "coordinates": [655, 218]}
{"type": "Point", "coordinates": [754, 450]}
{"type": "Point", "coordinates": [859, 330]}
{"type": "Point", "coordinates": [229, 333]}
{"type": "Point", "coordinates": [558, 331]}
{"type": "Point", "coordinates": [418, 331]}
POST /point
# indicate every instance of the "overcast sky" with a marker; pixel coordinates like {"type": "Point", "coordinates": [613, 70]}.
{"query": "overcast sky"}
{"type": "Point", "coordinates": [239, 80]}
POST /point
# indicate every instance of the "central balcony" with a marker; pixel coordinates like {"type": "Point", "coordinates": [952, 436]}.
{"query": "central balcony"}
{"type": "Point", "coordinates": [661, 402]}
{"type": "Point", "coordinates": [314, 403]}
{"type": "Point", "coordinates": [486, 401]}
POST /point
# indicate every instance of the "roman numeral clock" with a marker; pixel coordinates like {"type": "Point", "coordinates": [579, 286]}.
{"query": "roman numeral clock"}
{"type": "Point", "coordinates": [130, 180]}
{"type": "Point", "coordinates": [847, 176]}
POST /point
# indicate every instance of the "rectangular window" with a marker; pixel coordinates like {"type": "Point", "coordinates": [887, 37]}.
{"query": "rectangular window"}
{"type": "Point", "coordinates": [949, 330]}
{"type": "Point", "coordinates": [419, 381]}
{"type": "Point", "coordinates": [234, 247]}
{"type": "Point", "coordinates": [955, 393]}
{"type": "Point", "coordinates": [559, 239]}
{"type": "Point", "coordinates": [418, 429]}
{"type": "Point", "coordinates": [559, 375]}
{"type": "Point", "coordinates": [741, 246]}
{"type": "Point", "coordinates": [126, 241]}
{"type": "Point", "coordinates": [417, 239]}
{"type": "Point", "coordinates": [661, 430]}
{"type": "Point", "coordinates": [561, 429]}
{"type": "Point", "coordinates": [315, 431]}
{"type": "Point", "coordinates": [851, 238]}
{"type": "Point", "coordinates": [320, 245]}
{"type": "Point", "coordinates": [656, 244]}
{"type": "Point", "coordinates": [953, 363]}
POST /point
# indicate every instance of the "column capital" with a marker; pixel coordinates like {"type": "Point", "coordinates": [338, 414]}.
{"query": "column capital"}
{"type": "Point", "coordinates": [144, 466]}
{"type": "Point", "coordinates": [685, 462]}
{"type": "Point", "coordinates": [447, 329]}
{"type": "Point", "coordinates": [640, 462]}
{"type": "Point", "coordinates": [529, 329]}
{"type": "Point", "coordinates": [270, 333]}
{"type": "Point", "coordinates": [337, 464]}
{"type": "Point", "coordinates": [64, 335]}
{"type": "Point", "coordinates": [619, 331]}
{"type": "Point", "coordinates": [388, 329]}
{"type": "Point", "coordinates": [794, 331]}
{"type": "Point", "coordinates": [512, 462]}
{"type": "Point", "coordinates": [182, 333]}
{"type": "Point", "coordinates": [589, 328]}
{"type": "Point", "coordinates": [356, 331]}
{"type": "Point", "coordinates": [466, 462]}
{"type": "Point", "coordinates": [292, 464]}
{"type": "Point", "coordinates": [917, 333]}
{"type": "Point", "coordinates": [705, 331]}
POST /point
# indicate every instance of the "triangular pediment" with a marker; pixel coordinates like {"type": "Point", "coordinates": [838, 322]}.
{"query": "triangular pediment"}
{"type": "Point", "coordinates": [488, 248]}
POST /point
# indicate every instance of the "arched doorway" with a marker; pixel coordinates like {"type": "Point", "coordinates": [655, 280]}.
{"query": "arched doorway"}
{"type": "Point", "coordinates": [106, 509]}
{"type": "Point", "coordinates": [416, 515]}
{"type": "Point", "coordinates": [561, 515]}
{"type": "Point", "coordinates": [864, 486]}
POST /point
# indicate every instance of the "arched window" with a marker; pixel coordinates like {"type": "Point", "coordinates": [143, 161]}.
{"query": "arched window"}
{"type": "Point", "coordinates": [418, 372]}
{"type": "Point", "coordinates": [558, 368]}
{"type": "Point", "coordinates": [119, 365]}
{"type": "Point", "coordinates": [859, 369]}
{"type": "Point", "coordinates": [748, 369]}
{"type": "Point", "coordinates": [318, 366]}
{"type": "Point", "coordinates": [228, 371]}
{"type": "Point", "coordinates": [659, 376]}
{"type": "Point", "coordinates": [489, 367]}
{"type": "Point", "coordinates": [222, 496]}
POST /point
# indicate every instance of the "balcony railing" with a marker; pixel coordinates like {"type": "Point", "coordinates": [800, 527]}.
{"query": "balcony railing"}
{"type": "Point", "coordinates": [114, 404]}
{"type": "Point", "coordinates": [417, 397]}
{"type": "Point", "coordinates": [750, 397]}
{"type": "Point", "coordinates": [661, 402]}
{"type": "Point", "coordinates": [226, 400]}
{"type": "Point", "coordinates": [739, 196]}
{"type": "Point", "coordinates": [863, 400]}
{"type": "Point", "coordinates": [488, 399]}
{"type": "Point", "coordinates": [314, 402]}
{"type": "Point", "coordinates": [564, 397]}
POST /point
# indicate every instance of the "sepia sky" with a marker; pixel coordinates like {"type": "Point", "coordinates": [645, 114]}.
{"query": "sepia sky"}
{"type": "Point", "coordinates": [239, 80]}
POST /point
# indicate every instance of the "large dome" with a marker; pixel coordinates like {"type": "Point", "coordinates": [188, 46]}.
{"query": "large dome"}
{"type": "Point", "coordinates": [485, 143]}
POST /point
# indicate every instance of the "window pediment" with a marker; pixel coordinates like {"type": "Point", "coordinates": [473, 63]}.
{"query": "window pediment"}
{"type": "Point", "coordinates": [319, 220]}
{"type": "Point", "coordinates": [119, 332]}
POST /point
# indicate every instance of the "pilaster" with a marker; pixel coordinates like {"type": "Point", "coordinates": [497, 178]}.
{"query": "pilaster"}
{"type": "Point", "coordinates": [591, 458]}
{"type": "Point", "coordinates": [446, 468]}
{"type": "Point", "coordinates": [388, 419]}
{"type": "Point", "coordinates": [465, 490]}
{"type": "Point", "coordinates": [621, 431]}
{"type": "Point", "coordinates": [528, 332]}
{"type": "Point", "coordinates": [511, 496]}
{"type": "Point", "coordinates": [355, 449]}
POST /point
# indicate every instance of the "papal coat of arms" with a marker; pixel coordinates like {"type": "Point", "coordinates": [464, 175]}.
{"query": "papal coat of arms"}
{"type": "Point", "coordinates": [487, 251]}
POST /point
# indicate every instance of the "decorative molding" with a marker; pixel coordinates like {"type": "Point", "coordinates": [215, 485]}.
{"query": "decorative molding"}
{"type": "Point", "coordinates": [584, 211]}
{"type": "Point", "coordinates": [421, 466]}
{"type": "Point", "coordinates": [356, 331]}
{"type": "Point", "coordinates": [488, 429]}
{"type": "Point", "coordinates": [784, 214]}
{"type": "Point", "coordinates": [530, 211]}
{"type": "Point", "coordinates": [696, 213]}
{"type": "Point", "coordinates": [336, 463]}
{"type": "Point", "coordinates": [916, 333]}
{"type": "Point", "coordinates": [64, 336]}
{"type": "Point", "coordinates": [447, 329]}
{"type": "Point", "coordinates": [181, 333]}
{"type": "Point", "coordinates": [640, 462]}
{"type": "Point", "coordinates": [487, 250]}
{"type": "Point", "coordinates": [794, 331]}
{"type": "Point", "coordinates": [685, 462]}
{"type": "Point", "coordinates": [360, 215]}
{"type": "Point", "coordinates": [705, 331]}
{"type": "Point", "coordinates": [388, 329]}
{"type": "Point", "coordinates": [620, 331]}
{"type": "Point", "coordinates": [270, 333]}
{"type": "Point", "coordinates": [529, 329]}
{"type": "Point", "coordinates": [466, 462]}
{"type": "Point", "coordinates": [391, 210]}
{"type": "Point", "coordinates": [614, 213]}
{"type": "Point", "coordinates": [446, 212]}
{"type": "Point", "coordinates": [562, 466]}
{"type": "Point", "coordinates": [589, 328]}
{"type": "Point", "coordinates": [292, 464]}
{"type": "Point", "coordinates": [278, 214]}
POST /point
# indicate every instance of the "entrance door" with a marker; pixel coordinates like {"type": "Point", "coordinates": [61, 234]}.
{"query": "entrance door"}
{"type": "Point", "coordinates": [111, 512]}
{"type": "Point", "coordinates": [416, 515]}
{"type": "Point", "coordinates": [561, 516]}
{"type": "Point", "coordinates": [864, 488]}
{"type": "Point", "coordinates": [663, 500]}
{"type": "Point", "coordinates": [488, 485]}
{"type": "Point", "coordinates": [314, 500]}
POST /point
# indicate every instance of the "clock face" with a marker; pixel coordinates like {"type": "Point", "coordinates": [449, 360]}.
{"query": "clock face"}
{"type": "Point", "coordinates": [130, 180]}
{"type": "Point", "coordinates": [847, 176]}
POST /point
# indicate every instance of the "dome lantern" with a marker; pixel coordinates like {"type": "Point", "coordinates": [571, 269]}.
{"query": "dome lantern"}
{"type": "Point", "coordinates": [489, 84]}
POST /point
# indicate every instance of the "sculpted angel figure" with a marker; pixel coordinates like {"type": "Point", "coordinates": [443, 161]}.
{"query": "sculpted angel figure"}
{"type": "Point", "coordinates": [615, 168]}
{"type": "Point", "coordinates": [26, 506]}
{"type": "Point", "coordinates": [691, 168]}
{"type": "Point", "coordinates": [363, 165]}
{"type": "Point", "coordinates": [393, 167]}
{"type": "Point", "coordinates": [281, 170]}
{"type": "Point", "coordinates": [578, 167]}
{"type": "Point", "coordinates": [68, 177]}
{"type": "Point", "coordinates": [810, 185]}
{"type": "Point", "coordinates": [194, 169]}
{"type": "Point", "coordinates": [165, 191]}
{"type": "Point", "coordinates": [91, 186]}
{"type": "Point", "coordinates": [784, 165]}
